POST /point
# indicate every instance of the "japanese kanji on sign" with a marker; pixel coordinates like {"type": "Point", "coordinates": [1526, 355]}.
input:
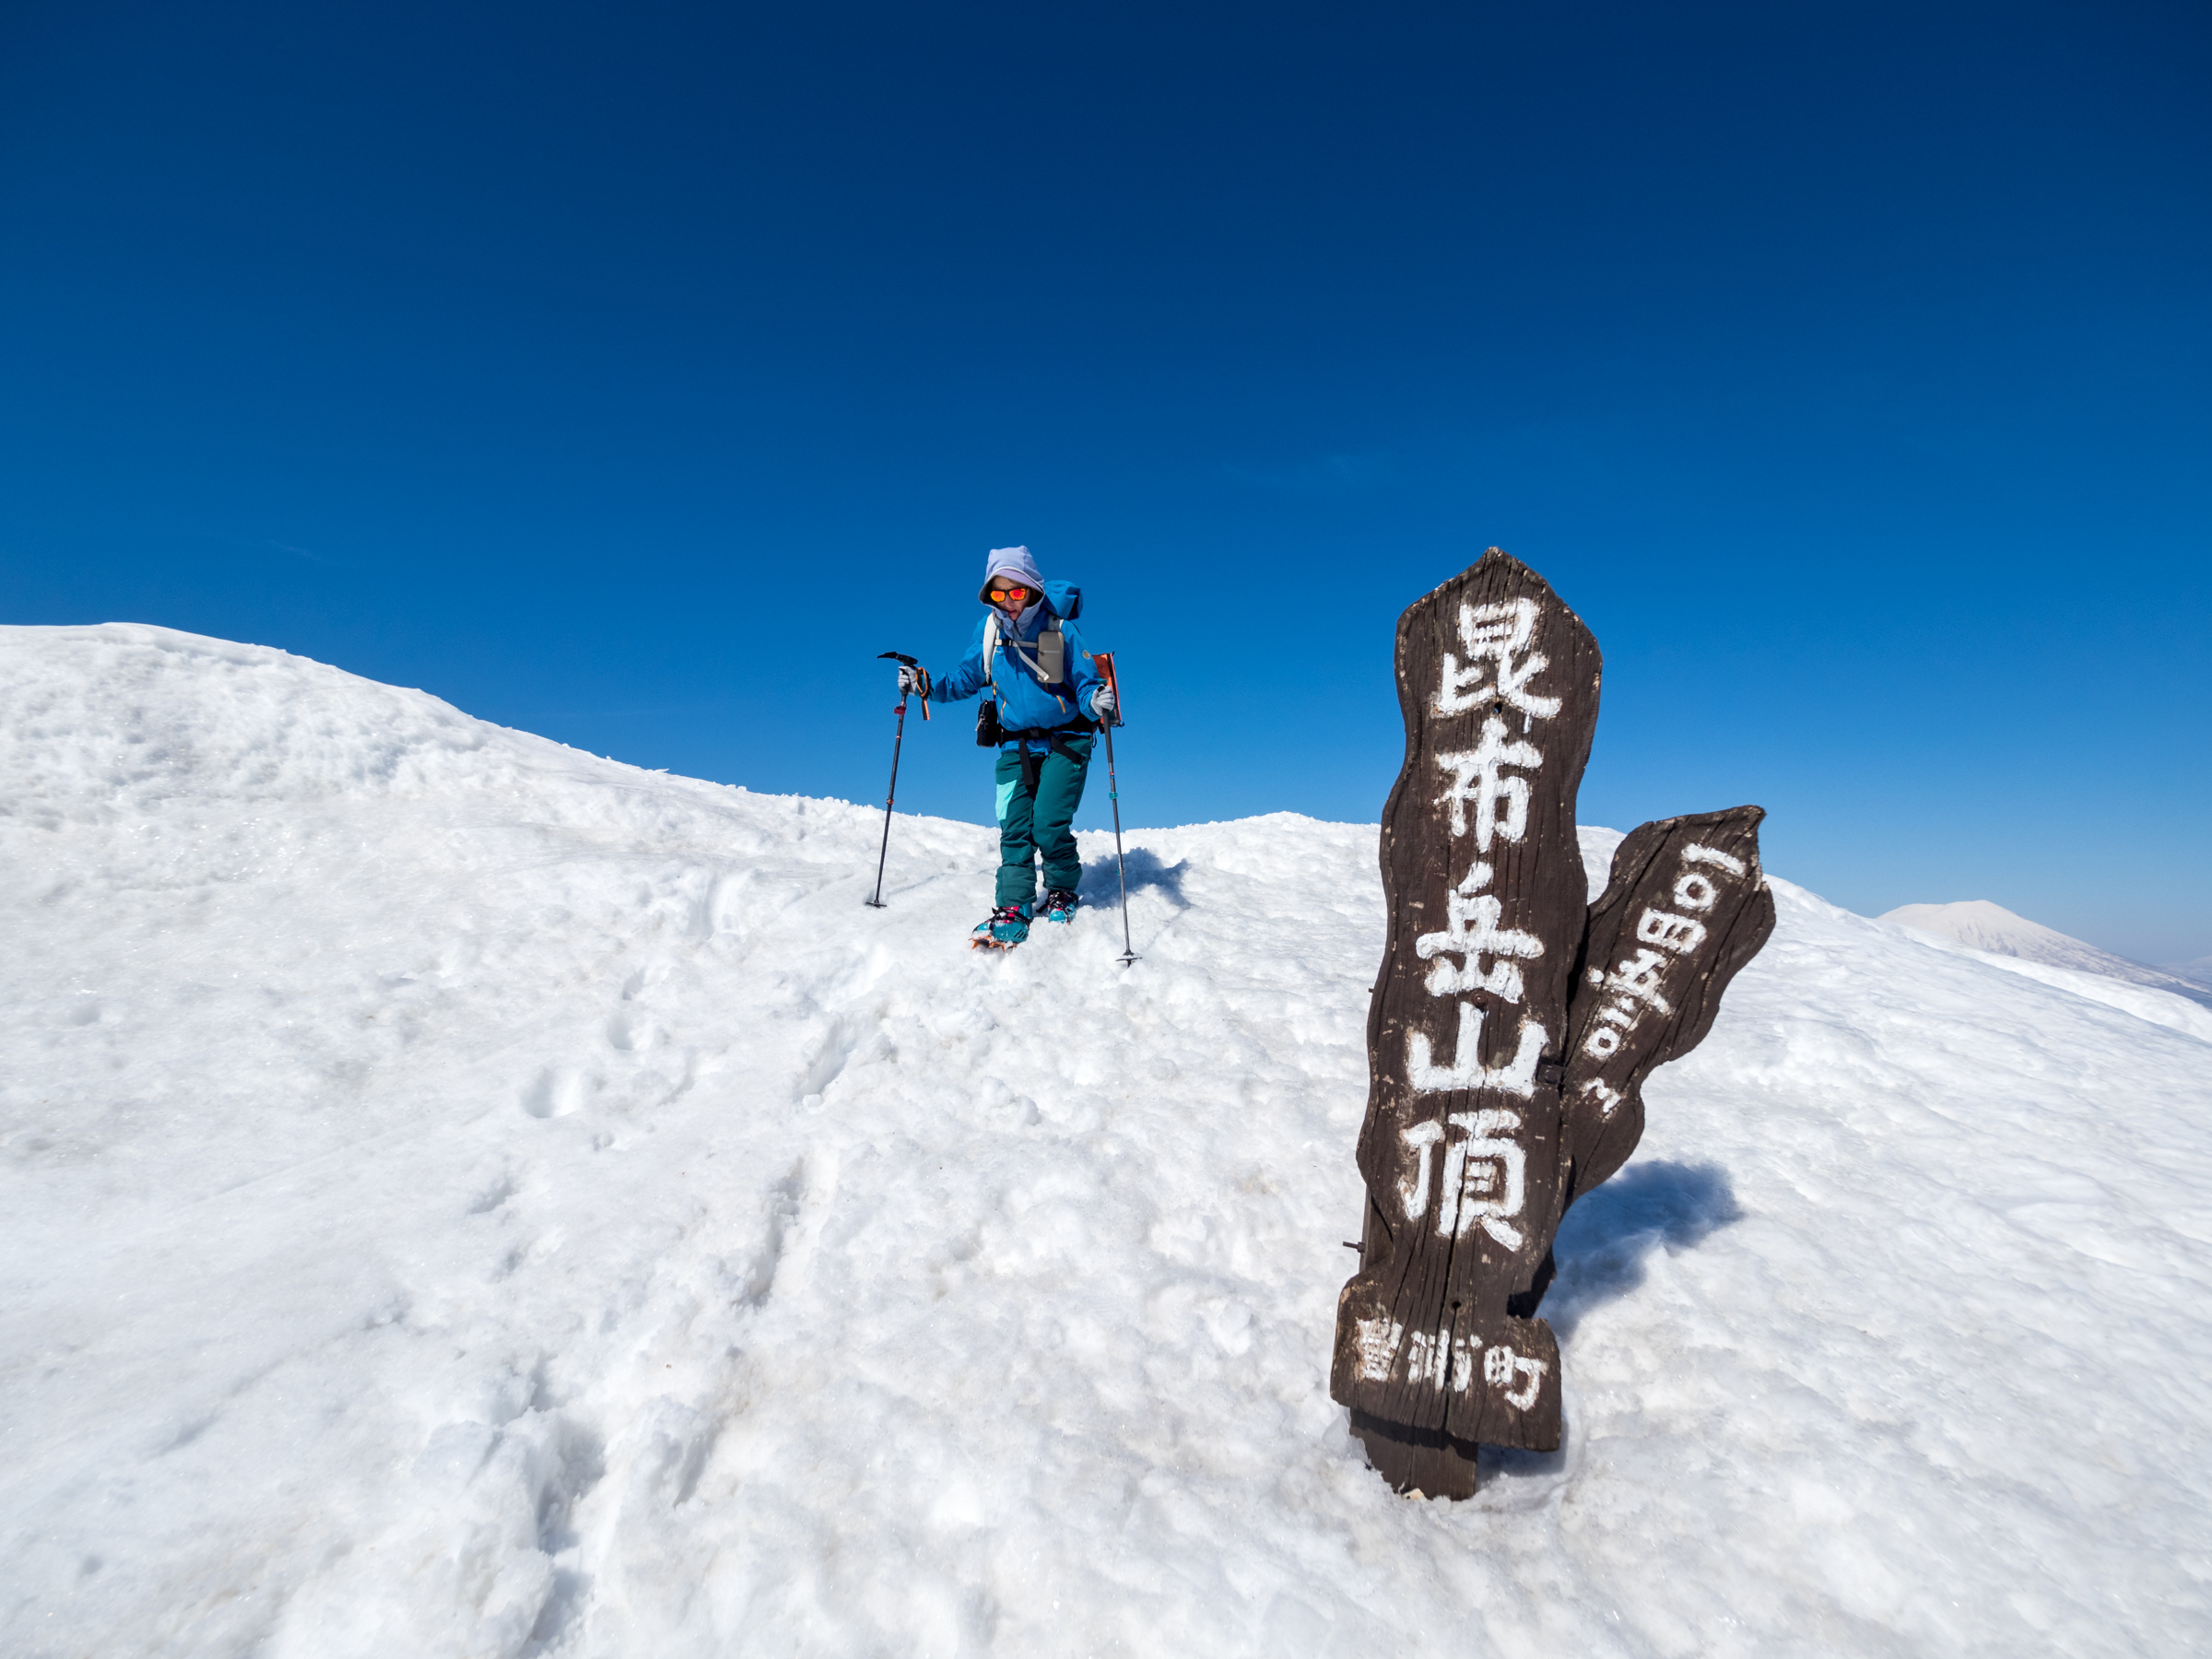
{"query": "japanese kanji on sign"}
{"type": "Point", "coordinates": [1512, 1024]}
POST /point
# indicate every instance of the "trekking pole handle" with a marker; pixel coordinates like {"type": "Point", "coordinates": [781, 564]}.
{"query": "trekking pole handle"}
{"type": "Point", "coordinates": [1104, 659]}
{"type": "Point", "coordinates": [901, 658]}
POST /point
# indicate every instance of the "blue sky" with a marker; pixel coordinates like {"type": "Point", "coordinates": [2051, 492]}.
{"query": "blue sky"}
{"type": "Point", "coordinates": [634, 374]}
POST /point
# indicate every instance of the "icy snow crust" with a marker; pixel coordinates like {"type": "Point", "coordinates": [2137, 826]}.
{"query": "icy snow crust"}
{"type": "Point", "coordinates": [463, 1196]}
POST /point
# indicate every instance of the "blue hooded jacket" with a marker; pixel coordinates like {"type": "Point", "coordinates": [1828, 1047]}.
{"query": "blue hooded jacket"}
{"type": "Point", "coordinates": [1024, 703]}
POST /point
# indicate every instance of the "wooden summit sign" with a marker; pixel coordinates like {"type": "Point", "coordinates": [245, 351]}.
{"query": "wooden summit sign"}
{"type": "Point", "coordinates": [1511, 1028]}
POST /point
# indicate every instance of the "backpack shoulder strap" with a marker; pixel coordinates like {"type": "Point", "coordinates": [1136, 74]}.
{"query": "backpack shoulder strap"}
{"type": "Point", "coordinates": [1027, 658]}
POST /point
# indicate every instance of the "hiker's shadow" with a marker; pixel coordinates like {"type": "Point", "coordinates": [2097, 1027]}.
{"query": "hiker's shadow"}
{"type": "Point", "coordinates": [1101, 881]}
{"type": "Point", "coordinates": [1608, 1239]}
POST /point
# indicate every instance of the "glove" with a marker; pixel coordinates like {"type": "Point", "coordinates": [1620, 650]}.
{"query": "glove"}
{"type": "Point", "coordinates": [916, 679]}
{"type": "Point", "coordinates": [1101, 704]}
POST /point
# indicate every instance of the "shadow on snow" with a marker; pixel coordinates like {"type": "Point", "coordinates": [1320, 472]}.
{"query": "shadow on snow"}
{"type": "Point", "coordinates": [1607, 1237]}
{"type": "Point", "coordinates": [1101, 886]}
{"type": "Point", "coordinates": [1602, 1250]}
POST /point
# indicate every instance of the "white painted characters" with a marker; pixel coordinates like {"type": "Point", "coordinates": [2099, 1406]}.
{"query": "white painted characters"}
{"type": "Point", "coordinates": [1609, 1098]}
{"type": "Point", "coordinates": [1413, 1190]}
{"type": "Point", "coordinates": [1378, 1344]}
{"type": "Point", "coordinates": [1478, 777]}
{"type": "Point", "coordinates": [1495, 636]}
{"type": "Point", "coordinates": [1486, 1178]}
{"type": "Point", "coordinates": [1678, 933]}
{"type": "Point", "coordinates": [1486, 795]}
{"type": "Point", "coordinates": [1500, 1365]}
{"type": "Point", "coordinates": [1663, 938]}
{"type": "Point", "coordinates": [1484, 1175]}
{"type": "Point", "coordinates": [1453, 1362]}
{"type": "Point", "coordinates": [1693, 853]}
{"type": "Point", "coordinates": [1428, 1359]}
{"type": "Point", "coordinates": [1695, 892]}
{"type": "Point", "coordinates": [1638, 977]}
{"type": "Point", "coordinates": [1472, 931]}
{"type": "Point", "coordinates": [1517, 1075]}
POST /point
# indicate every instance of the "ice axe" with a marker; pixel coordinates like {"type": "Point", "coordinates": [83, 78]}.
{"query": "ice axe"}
{"type": "Point", "coordinates": [898, 739]}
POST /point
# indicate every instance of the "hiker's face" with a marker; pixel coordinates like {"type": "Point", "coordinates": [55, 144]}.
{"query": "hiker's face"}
{"type": "Point", "coordinates": [1013, 598]}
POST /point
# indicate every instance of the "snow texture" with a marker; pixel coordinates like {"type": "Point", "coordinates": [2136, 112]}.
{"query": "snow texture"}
{"type": "Point", "coordinates": [1991, 928]}
{"type": "Point", "coordinates": [465, 1197]}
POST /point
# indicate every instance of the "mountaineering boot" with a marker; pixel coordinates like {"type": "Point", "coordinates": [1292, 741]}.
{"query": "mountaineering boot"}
{"type": "Point", "coordinates": [1003, 929]}
{"type": "Point", "coordinates": [1059, 904]}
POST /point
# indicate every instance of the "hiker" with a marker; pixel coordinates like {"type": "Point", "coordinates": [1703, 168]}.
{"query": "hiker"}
{"type": "Point", "coordinates": [1049, 699]}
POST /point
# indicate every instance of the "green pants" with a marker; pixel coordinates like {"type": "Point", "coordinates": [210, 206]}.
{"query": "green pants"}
{"type": "Point", "coordinates": [1039, 821]}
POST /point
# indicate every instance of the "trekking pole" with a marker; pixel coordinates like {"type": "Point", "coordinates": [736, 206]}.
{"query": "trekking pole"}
{"type": "Point", "coordinates": [1113, 793]}
{"type": "Point", "coordinates": [899, 738]}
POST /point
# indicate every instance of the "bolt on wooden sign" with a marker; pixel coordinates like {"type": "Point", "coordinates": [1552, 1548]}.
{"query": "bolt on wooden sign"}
{"type": "Point", "coordinates": [1512, 1024]}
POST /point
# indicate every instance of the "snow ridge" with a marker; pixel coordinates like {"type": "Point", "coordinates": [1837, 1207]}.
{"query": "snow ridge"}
{"type": "Point", "coordinates": [467, 1197]}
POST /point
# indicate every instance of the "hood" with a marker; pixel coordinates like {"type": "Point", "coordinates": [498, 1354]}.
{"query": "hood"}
{"type": "Point", "coordinates": [1064, 599]}
{"type": "Point", "coordinates": [1016, 563]}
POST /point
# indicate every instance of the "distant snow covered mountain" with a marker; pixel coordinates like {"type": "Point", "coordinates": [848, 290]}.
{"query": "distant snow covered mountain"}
{"type": "Point", "coordinates": [2197, 972]}
{"type": "Point", "coordinates": [1982, 926]}
{"type": "Point", "coordinates": [462, 1196]}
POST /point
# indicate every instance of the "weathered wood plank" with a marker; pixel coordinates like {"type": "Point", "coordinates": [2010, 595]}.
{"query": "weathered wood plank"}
{"type": "Point", "coordinates": [1511, 1032]}
{"type": "Point", "coordinates": [1462, 1150]}
{"type": "Point", "coordinates": [1685, 908]}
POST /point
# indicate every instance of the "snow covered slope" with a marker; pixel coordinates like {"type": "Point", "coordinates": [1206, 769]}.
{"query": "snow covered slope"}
{"type": "Point", "coordinates": [1981, 925]}
{"type": "Point", "coordinates": [461, 1196]}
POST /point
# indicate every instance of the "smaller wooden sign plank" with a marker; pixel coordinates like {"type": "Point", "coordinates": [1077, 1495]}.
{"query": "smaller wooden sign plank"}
{"type": "Point", "coordinates": [1684, 908]}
